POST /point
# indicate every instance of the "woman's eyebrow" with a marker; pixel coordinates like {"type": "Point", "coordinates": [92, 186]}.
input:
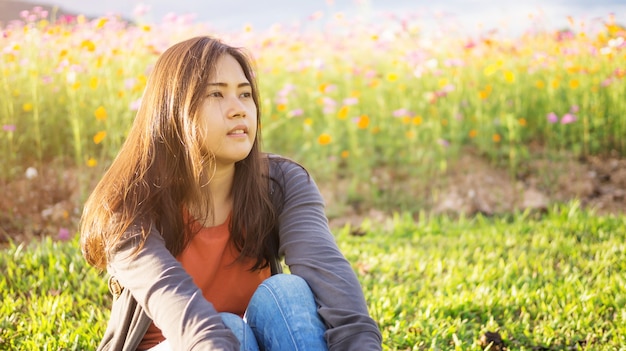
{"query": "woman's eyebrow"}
{"type": "Point", "coordinates": [240, 85]}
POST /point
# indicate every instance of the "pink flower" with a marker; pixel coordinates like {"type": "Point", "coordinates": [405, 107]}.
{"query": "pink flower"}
{"type": "Point", "coordinates": [350, 101]}
{"type": "Point", "coordinates": [568, 118]}
{"type": "Point", "coordinates": [64, 234]}
{"type": "Point", "coordinates": [443, 142]}
{"type": "Point", "coordinates": [8, 127]}
{"type": "Point", "coordinates": [401, 112]}
{"type": "Point", "coordinates": [296, 112]}
{"type": "Point", "coordinates": [134, 106]}
{"type": "Point", "coordinates": [574, 109]}
{"type": "Point", "coordinates": [552, 117]}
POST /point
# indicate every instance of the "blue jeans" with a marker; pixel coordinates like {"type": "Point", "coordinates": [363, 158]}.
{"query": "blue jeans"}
{"type": "Point", "coordinates": [281, 316]}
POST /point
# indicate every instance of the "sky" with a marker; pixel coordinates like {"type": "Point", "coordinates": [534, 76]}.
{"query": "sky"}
{"type": "Point", "coordinates": [470, 15]}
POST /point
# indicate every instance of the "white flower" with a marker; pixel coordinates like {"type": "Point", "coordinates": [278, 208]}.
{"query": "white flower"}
{"type": "Point", "coordinates": [31, 172]}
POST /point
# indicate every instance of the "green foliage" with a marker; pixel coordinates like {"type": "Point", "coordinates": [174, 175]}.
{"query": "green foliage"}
{"type": "Point", "coordinates": [544, 283]}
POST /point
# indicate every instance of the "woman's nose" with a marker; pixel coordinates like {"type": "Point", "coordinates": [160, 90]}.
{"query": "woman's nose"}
{"type": "Point", "coordinates": [236, 108]}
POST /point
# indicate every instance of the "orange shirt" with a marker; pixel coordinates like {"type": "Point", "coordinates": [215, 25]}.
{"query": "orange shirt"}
{"type": "Point", "coordinates": [209, 258]}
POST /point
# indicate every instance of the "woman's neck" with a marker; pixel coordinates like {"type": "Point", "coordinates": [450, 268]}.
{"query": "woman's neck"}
{"type": "Point", "coordinates": [219, 190]}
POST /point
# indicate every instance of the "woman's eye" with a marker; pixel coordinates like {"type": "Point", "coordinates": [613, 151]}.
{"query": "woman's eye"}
{"type": "Point", "coordinates": [215, 94]}
{"type": "Point", "coordinates": [246, 95]}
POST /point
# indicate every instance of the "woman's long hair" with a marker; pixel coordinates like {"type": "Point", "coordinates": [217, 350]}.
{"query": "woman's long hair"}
{"type": "Point", "coordinates": [161, 166]}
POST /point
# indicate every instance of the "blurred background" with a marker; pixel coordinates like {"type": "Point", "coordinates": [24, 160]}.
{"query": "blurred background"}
{"type": "Point", "coordinates": [508, 16]}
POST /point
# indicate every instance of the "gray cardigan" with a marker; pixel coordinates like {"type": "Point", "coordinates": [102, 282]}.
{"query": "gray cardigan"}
{"type": "Point", "coordinates": [154, 286]}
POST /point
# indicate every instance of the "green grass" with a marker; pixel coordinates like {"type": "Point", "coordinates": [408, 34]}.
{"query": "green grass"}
{"type": "Point", "coordinates": [555, 282]}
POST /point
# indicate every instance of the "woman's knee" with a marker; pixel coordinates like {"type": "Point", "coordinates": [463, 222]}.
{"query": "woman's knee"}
{"type": "Point", "coordinates": [287, 283]}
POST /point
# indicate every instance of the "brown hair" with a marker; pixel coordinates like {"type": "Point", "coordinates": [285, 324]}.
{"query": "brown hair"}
{"type": "Point", "coordinates": [161, 166]}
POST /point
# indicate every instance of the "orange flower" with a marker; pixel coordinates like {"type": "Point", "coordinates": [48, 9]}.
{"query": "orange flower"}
{"type": "Point", "coordinates": [97, 139]}
{"type": "Point", "coordinates": [522, 122]}
{"type": "Point", "coordinates": [324, 139]}
{"type": "Point", "coordinates": [473, 133]}
{"type": "Point", "coordinates": [496, 138]}
{"type": "Point", "coordinates": [345, 154]}
{"type": "Point", "coordinates": [363, 122]}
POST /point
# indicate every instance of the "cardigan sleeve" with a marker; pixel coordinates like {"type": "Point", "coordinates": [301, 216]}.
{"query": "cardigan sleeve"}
{"type": "Point", "coordinates": [310, 251]}
{"type": "Point", "coordinates": [165, 291]}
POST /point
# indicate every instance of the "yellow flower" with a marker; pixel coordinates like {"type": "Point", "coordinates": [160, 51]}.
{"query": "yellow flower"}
{"type": "Point", "coordinates": [489, 70]}
{"type": "Point", "coordinates": [281, 107]}
{"type": "Point", "coordinates": [343, 112]}
{"type": "Point", "coordinates": [406, 120]}
{"type": "Point", "coordinates": [392, 77]}
{"type": "Point", "coordinates": [417, 120]}
{"type": "Point", "coordinates": [410, 135]}
{"type": "Point", "coordinates": [88, 45]}
{"type": "Point", "coordinates": [101, 22]}
{"type": "Point", "coordinates": [555, 83]}
{"type": "Point", "coordinates": [27, 107]}
{"type": "Point", "coordinates": [91, 162]}
{"type": "Point", "coordinates": [101, 114]}
{"type": "Point", "coordinates": [308, 122]}
{"type": "Point", "coordinates": [97, 139]}
{"type": "Point", "coordinates": [509, 76]}
{"type": "Point", "coordinates": [574, 83]}
{"type": "Point", "coordinates": [93, 83]}
{"type": "Point", "coordinates": [364, 122]}
{"type": "Point", "coordinates": [324, 139]}
{"type": "Point", "coordinates": [540, 84]}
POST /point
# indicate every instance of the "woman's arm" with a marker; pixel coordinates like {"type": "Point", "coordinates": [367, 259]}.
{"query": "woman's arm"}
{"type": "Point", "coordinates": [168, 295]}
{"type": "Point", "coordinates": [311, 252]}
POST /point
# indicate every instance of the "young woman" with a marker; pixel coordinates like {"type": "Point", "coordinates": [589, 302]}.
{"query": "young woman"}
{"type": "Point", "coordinates": [191, 221]}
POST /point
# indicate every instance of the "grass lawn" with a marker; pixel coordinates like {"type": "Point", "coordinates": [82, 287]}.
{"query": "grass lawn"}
{"type": "Point", "coordinates": [552, 283]}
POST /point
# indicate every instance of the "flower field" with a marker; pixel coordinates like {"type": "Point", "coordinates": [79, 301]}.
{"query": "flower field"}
{"type": "Point", "coordinates": [373, 110]}
{"type": "Point", "coordinates": [344, 97]}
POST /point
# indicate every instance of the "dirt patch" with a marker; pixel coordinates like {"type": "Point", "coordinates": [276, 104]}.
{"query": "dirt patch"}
{"type": "Point", "coordinates": [42, 202]}
{"type": "Point", "coordinates": [473, 185]}
{"type": "Point", "coordinates": [46, 201]}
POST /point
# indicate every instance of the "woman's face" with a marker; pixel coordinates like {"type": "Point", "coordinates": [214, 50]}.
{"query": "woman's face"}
{"type": "Point", "coordinates": [228, 115]}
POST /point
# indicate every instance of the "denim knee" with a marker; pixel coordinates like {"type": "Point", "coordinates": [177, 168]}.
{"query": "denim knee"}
{"type": "Point", "coordinates": [289, 282]}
